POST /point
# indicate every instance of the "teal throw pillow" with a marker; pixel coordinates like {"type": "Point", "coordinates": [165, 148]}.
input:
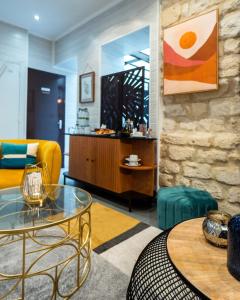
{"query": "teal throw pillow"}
{"type": "Point", "coordinates": [17, 156]}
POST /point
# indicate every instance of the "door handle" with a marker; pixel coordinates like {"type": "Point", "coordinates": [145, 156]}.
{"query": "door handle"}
{"type": "Point", "coordinates": [60, 123]}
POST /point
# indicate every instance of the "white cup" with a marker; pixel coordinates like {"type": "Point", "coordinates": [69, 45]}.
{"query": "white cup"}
{"type": "Point", "coordinates": [133, 160]}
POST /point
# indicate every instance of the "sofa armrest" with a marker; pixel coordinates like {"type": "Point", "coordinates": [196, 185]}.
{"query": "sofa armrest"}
{"type": "Point", "coordinates": [50, 153]}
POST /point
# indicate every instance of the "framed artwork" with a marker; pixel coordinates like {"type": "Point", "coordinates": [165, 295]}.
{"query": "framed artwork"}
{"type": "Point", "coordinates": [190, 55]}
{"type": "Point", "coordinates": [87, 87]}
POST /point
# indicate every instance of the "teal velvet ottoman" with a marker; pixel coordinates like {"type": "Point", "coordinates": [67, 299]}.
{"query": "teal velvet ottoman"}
{"type": "Point", "coordinates": [180, 203]}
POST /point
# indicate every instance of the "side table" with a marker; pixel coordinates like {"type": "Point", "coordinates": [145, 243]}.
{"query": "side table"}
{"type": "Point", "coordinates": [180, 264]}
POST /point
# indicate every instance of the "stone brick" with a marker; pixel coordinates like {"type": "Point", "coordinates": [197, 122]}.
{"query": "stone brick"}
{"type": "Point", "coordinates": [211, 156]}
{"type": "Point", "coordinates": [174, 110]}
{"type": "Point", "coordinates": [229, 64]}
{"type": "Point", "coordinates": [174, 138]}
{"type": "Point", "coordinates": [228, 175]}
{"type": "Point", "coordinates": [179, 138]}
{"type": "Point", "coordinates": [199, 109]}
{"type": "Point", "coordinates": [198, 6]}
{"type": "Point", "coordinates": [168, 99]}
{"type": "Point", "coordinates": [230, 25]}
{"type": "Point", "coordinates": [171, 14]}
{"type": "Point", "coordinates": [211, 125]}
{"type": "Point", "coordinates": [169, 167]}
{"type": "Point", "coordinates": [229, 5]}
{"type": "Point", "coordinates": [185, 9]}
{"type": "Point", "coordinates": [165, 180]}
{"type": "Point", "coordinates": [232, 46]}
{"type": "Point", "coordinates": [200, 139]}
{"type": "Point", "coordinates": [225, 107]}
{"type": "Point", "coordinates": [198, 184]}
{"type": "Point", "coordinates": [180, 153]}
{"type": "Point", "coordinates": [169, 125]}
{"type": "Point", "coordinates": [234, 155]}
{"type": "Point", "coordinates": [182, 98]}
{"type": "Point", "coordinates": [220, 49]}
{"type": "Point", "coordinates": [164, 150]}
{"type": "Point", "coordinates": [233, 124]}
{"type": "Point", "coordinates": [226, 141]}
{"type": "Point", "coordinates": [219, 108]}
{"type": "Point", "coordinates": [188, 126]}
{"type": "Point", "coordinates": [214, 188]}
{"type": "Point", "coordinates": [234, 195]}
{"type": "Point", "coordinates": [228, 87]}
{"type": "Point", "coordinates": [228, 207]}
{"type": "Point", "coordinates": [181, 180]}
{"type": "Point", "coordinates": [196, 170]}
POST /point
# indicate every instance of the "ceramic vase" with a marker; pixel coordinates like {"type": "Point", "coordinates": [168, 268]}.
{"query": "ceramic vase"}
{"type": "Point", "coordinates": [215, 228]}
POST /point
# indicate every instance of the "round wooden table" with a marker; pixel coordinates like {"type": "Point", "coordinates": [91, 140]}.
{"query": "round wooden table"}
{"type": "Point", "coordinates": [202, 264]}
{"type": "Point", "coordinates": [180, 264]}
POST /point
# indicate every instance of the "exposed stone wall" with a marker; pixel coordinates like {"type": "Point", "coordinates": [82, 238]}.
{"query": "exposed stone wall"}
{"type": "Point", "coordinates": [200, 143]}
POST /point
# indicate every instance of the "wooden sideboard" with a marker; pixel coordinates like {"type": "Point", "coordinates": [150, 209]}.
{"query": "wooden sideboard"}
{"type": "Point", "coordinates": [99, 161]}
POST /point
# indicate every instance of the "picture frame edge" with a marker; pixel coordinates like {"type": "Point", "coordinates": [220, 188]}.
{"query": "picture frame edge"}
{"type": "Point", "coordinates": [92, 74]}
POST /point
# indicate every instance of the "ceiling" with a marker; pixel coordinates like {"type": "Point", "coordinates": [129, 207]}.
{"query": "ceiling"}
{"type": "Point", "coordinates": [57, 17]}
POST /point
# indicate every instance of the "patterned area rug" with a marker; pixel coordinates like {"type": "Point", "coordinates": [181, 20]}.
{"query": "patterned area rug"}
{"type": "Point", "coordinates": [117, 241]}
{"type": "Point", "coordinates": [119, 238]}
{"type": "Point", "coordinates": [104, 280]}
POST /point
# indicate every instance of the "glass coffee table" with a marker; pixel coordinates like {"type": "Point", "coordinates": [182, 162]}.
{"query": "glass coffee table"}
{"type": "Point", "coordinates": [50, 244]}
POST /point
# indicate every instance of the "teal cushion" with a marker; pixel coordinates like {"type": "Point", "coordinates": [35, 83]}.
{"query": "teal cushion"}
{"type": "Point", "coordinates": [17, 156]}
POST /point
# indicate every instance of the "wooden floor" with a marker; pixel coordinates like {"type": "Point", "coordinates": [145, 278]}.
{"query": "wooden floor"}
{"type": "Point", "coordinates": [203, 264]}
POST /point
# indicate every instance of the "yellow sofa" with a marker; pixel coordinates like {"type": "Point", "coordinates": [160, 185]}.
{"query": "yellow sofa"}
{"type": "Point", "coordinates": [48, 152]}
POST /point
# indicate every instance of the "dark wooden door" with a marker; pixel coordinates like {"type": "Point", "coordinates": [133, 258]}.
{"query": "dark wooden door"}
{"type": "Point", "coordinates": [46, 106]}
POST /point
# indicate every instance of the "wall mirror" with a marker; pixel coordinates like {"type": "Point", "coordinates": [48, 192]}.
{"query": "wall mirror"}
{"type": "Point", "coordinates": [125, 80]}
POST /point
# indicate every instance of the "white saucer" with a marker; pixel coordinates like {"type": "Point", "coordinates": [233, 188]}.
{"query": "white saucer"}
{"type": "Point", "coordinates": [139, 159]}
{"type": "Point", "coordinates": [138, 165]}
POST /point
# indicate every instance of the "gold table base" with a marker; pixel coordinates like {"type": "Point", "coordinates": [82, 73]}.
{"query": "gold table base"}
{"type": "Point", "coordinates": [75, 233]}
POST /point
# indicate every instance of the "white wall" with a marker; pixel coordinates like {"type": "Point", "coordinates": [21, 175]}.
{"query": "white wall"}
{"type": "Point", "coordinates": [70, 108]}
{"type": "Point", "coordinates": [14, 54]}
{"type": "Point", "coordinates": [86, 43]}
{"type": "Point", "coordinates": [40, 54]}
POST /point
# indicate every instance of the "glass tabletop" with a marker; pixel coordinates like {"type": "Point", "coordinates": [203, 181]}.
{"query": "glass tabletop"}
{"type": "Point", "coordinates": [63, 203]}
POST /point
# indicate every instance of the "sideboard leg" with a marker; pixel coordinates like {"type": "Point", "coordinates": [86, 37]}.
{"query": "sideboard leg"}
{"type": "Point", "coordinates": [130, 204]}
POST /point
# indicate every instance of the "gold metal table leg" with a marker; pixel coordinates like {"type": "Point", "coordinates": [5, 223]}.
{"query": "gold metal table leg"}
{"type": "Point", "coordinates": [78, 237]}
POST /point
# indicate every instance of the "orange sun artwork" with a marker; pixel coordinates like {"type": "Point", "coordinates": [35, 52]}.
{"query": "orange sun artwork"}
{"type": "Point", "coordinates": [190, 55]}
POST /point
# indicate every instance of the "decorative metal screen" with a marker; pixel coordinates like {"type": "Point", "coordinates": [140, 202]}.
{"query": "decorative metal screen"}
{"type": "Point", "coordinates": [124, 97]}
